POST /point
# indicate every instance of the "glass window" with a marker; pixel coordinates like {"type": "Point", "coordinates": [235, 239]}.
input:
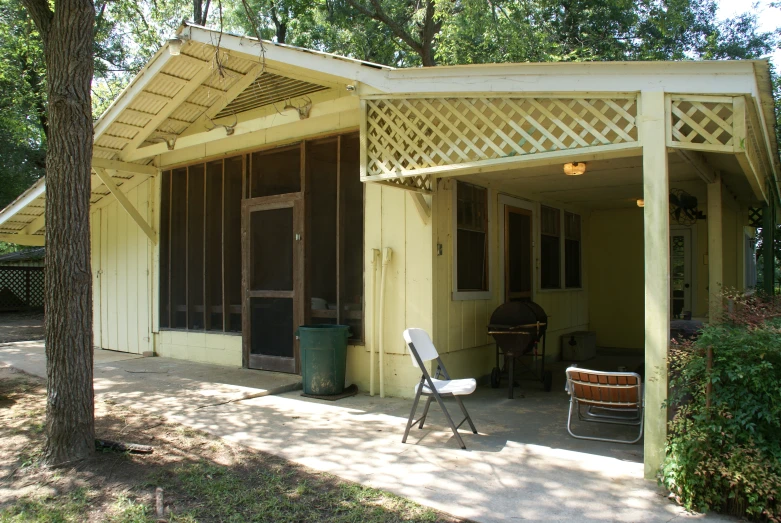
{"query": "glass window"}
{"type": "Point", "coordinates": [550, 248]}
{"type": "Point", "coordinates": [572, 251]}
{"type": "Point", "coordinates": [471, 237]}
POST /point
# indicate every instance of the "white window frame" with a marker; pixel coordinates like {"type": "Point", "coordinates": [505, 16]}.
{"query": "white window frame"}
{"type": "Point", "coordinates": [512, 201]}
{"type": "Point", "coordinates": [472, 295]}
{"type": "Point", "coordinates": [562, 247]}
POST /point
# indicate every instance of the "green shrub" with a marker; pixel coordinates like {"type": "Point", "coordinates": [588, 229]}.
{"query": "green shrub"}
{"type": "Point", "coordinates": [726, 456]}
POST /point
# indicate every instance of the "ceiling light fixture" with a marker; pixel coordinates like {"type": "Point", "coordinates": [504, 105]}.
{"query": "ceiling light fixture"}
{"type": "Point", "coordinates": [574, 168]}
{"type": "Point", "coordinates": [640, 202]}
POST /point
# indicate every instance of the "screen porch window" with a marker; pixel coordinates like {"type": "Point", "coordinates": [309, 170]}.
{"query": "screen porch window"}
{"type": "Point", "coordinates": [200, 246]}
{"type": "Point", "coordinates": [572, 251]}
{"type": "Point", "coordinates": [550, 248]}
{"type": "Point", "coordinates": [471, 238]}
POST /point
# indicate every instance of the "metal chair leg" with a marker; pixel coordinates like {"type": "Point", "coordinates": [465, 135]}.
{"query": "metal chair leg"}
{"type": "Point", "coordinates": [425, 411]}
{"type": "Point", "coordinates": [466, 414]}
{"type": "Point", "coordinates": [412, 414]}
{"type": "Point", "coordinates": [449, 420]}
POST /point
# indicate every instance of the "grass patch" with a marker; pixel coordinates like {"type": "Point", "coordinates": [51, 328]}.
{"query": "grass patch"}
{"type": "Point", "coordinates": [204, 478]}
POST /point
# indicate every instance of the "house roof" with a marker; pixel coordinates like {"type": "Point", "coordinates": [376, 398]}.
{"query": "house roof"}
{"type": "Point", "coordinates": [38, 253]}
{"type": "Point", "coordinates": [205, 79]}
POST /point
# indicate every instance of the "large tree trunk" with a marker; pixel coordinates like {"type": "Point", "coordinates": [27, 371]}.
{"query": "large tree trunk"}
{"type": "Point", "coordinates": [67, 35]}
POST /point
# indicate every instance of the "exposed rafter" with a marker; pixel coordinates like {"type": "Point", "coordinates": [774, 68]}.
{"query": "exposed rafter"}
{"type": "Point", "coordinates": [105, 177]}
{"type": "Point", "coordinates": [700, 164]}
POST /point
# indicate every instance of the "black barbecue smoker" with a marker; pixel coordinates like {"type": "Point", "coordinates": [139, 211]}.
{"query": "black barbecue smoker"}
{"type": "Point", "coordinates": [519, 328]}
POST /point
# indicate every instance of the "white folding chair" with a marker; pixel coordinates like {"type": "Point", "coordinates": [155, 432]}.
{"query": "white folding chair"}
{"type": "Point", "coordinates": [421, 350]}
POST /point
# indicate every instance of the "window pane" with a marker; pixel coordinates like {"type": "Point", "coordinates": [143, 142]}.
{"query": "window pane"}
{"type": "Point", "coordinates": [195, 204]}
{"type": "Point", "coordinates": [572, 251]}
{"type": "Point", "coordinates": [271, 250]}
{"type": "Point", "coordinates": [232, 242]}
{"type": "Point", "coordinates": [165, 220]}
{"type": "Point", "coordinates": [213, 249]}
{"type": "Point", "coordinates": [519, 247]}
{"type": "Point", "coordinates": [550, 248]}
{"type": "Point", "coordinates": [178, 254]}
{"type": "Point", "coordinates": [272, 326]}
{"type": "Point", "coordinates": [276, 172]}
{"type": "Point", "coordinates": [321, 162]}
{"type": "Point", "coordinates": [471, 237]}
{"type": "Point", "coordinates": [351, 236]}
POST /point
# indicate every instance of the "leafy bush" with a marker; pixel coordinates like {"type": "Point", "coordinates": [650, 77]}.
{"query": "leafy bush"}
{"type": "Point", "coordinates": [724, 446]}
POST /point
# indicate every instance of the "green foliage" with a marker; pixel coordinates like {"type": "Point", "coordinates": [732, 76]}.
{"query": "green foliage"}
{"type": "Point", "coordinates": [726, 456]}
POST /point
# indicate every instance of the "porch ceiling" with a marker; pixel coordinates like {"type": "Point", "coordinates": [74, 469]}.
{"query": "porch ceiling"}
{"type": "Point", "coordinates": [611, 183]}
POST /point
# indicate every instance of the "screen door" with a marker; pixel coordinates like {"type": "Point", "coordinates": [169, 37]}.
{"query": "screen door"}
{"type": "Point", "coordinates": [518, 277]}
{"type": "Point", "coordinates": [680, 272]}
{"type": "Point", "coordinates": [273, 282]}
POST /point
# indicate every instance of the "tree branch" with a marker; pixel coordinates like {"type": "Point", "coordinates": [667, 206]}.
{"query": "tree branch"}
{"type": "Point", "coordinates": [379, 15]}
{"type": "Point", "coordinates": [41, 14]}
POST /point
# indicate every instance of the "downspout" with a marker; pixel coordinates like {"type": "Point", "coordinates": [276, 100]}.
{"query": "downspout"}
{"type": "Point", "coordinates": [373, 331]}
{"type": "Point", "coordinates": [386, 257]}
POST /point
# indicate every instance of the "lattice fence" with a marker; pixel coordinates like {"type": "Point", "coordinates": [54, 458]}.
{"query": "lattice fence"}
{"type": "Point", "coordinates": [706, 124]}
{"type": "Point", "coordinates": [21, 288]}
{"type": "Point", "coordinates": [405, 135]}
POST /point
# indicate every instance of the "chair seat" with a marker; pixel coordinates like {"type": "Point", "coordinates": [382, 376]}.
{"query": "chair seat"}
{"type": "Point", "coordinates": [454, 387]}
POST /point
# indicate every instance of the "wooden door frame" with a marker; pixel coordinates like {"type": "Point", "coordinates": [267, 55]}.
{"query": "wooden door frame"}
{"type": "Point", "coordinates": [524, 207]}
{"type": "Point", "coordinates": [296, 202]}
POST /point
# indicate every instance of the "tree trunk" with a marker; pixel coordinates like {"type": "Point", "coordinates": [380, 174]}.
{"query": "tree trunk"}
{"type": "Point", "coordinates": [67, 35]}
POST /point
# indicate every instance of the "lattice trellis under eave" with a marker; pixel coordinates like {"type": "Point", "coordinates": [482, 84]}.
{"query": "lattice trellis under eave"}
{"type": "Point", "coordinates": [702, 123]}
{"type": "Point", "coordinates": [405, 135]}
{"type": "Point", "coordinates": [421, 184]}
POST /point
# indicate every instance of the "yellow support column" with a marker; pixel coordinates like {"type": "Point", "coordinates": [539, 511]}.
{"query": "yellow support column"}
{"type": "Point", "coordinates": [715, 251]}
{"type": "Point", "coordinates": [656, 228]}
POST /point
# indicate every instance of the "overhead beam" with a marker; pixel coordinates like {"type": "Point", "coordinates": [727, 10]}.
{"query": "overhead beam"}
{"type": "Point", "coordinates": [34, 226]}
{"type": "Point", "coordinates": [23, 201]}
{"type": "Point", "coordinates": [274, 119]}
{"type": "Point", "coordinates": [149, 170]}
{"type": "Point", "coordinates": [227, 97]}
{"type": "Point", "coordinates": [126, 97]}
{"type": "Point", "coordinates": [180, 97]}
{"type": "Point", "coordinates": [700, 164]}
{"type": "Point", "coordinates": [422, 206]}
{"type": "Point", "coordinates": [23, 239]}
{"type": "Point", "coordinates": [125, 203]}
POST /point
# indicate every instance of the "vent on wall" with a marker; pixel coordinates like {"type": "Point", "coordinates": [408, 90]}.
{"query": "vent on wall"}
{"type": "Point", "coordinates": [269, 89]}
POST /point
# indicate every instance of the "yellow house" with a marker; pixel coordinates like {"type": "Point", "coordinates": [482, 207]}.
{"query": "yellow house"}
{"type": "Point", "coordinates": [241, 189]}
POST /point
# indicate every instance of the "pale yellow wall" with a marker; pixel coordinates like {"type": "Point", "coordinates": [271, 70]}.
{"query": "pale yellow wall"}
{"type": "Point", "coordinates": [218, 349]}
{"type": "Point", "coordinates": [121, 277]}
{"type": "Point", "coordinates": [460, 326]}
{"type": "Point", "coordinates": [615, 266]}
{"type": "Point", "coordinates": [392, 220]}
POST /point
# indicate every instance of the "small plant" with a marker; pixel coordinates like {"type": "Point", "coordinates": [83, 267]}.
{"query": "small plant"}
{"type": "Point", "coordinates": [724, 443]}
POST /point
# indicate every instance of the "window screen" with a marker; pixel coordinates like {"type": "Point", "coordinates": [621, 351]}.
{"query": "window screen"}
{"type": "Point", "coordinates": [200, 249]}
{"type": "Point", "coordinates": [572, 250]}
{"type": "Point", "coordinates": [471, 237]}
{"type": "Point", "coordinates": [550, 248]}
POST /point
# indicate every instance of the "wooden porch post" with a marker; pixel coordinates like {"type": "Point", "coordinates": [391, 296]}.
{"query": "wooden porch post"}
{"type": "Point", "coordinates": [715, 251]}
{"type": "Point", "coordinates": [768, 258]}
{"type": "Point", "coordinates": [656, 226]}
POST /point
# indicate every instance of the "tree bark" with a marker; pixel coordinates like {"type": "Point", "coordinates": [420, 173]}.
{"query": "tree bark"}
{"type": "Point", "coordinates": [67, 35]}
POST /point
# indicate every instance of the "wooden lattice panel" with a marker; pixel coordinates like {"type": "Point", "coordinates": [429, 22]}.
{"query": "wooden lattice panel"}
{"type": "Point", "coordinates": [405, 135]}
{"type": "Point", "coordinates": [412, 183]}
{"type": "Point", "coordinates": [21, 288]}
{"type": "Point", "coordinates": [702, 123]}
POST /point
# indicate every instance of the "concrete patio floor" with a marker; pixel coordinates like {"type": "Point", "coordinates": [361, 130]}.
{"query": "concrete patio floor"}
{"type": "Point", "coordinates": [522, 466]}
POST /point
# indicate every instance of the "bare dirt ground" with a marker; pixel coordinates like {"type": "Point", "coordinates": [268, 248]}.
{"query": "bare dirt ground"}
{"type": "Point", "coordinates": [21, 326]}
{"type": "Point", "coordinates": [203, 477]}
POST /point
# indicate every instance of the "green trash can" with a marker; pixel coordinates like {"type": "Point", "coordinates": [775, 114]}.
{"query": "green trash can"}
{"type": "Point", "coordinates": [323, 358]}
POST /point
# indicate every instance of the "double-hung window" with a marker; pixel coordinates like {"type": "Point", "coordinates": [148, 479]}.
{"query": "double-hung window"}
{"type": "Point", "coordinates": [560, 249]}
{"type": "Point", "coordinates": [472, 241]}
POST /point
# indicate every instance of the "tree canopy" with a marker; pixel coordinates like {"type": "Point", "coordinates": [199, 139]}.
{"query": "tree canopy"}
{"type": "Point", "coordinates": [402, 34]}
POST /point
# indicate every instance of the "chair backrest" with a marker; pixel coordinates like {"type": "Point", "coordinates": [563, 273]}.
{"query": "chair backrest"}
{"type": "Point", "coordinates": [605, 389]}
{"type": "Point", "coordinates": [419, 341]}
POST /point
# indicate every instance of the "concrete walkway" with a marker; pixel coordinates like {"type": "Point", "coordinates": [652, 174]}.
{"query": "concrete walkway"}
{"type": "Point", "coordinates": [521, 467]}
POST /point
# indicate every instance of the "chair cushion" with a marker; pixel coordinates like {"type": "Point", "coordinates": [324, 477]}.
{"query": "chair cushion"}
{"type": "Point", "coordinates": [455, 387]}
